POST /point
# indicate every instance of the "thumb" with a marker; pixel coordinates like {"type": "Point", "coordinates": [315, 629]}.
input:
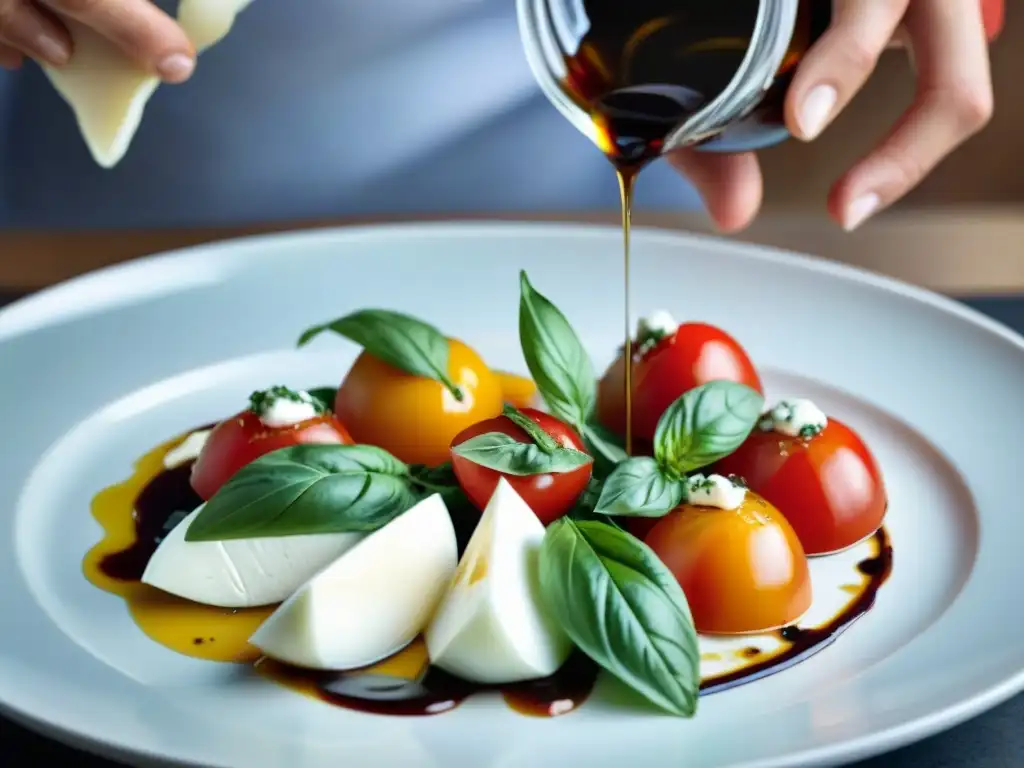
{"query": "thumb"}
{"type": "Point", "coordinates": [140, 29]}
{"type": "Point", "coordinates": [730, 184]}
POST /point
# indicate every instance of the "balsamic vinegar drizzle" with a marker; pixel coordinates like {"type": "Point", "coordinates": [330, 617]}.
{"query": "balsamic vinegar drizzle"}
{"type": "Point", "coordinates": [804, 643]}
{"type": "Point", "coordinates": [627, 180]}
{"type": "Point", "coordinates": [167, 497]}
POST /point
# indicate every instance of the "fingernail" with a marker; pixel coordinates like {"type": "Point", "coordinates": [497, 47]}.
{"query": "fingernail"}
{"type": "Point", "coordinates": [817, 109]}
{"type": "Point", "coordinates": [176, 67]}
{"type": "Point", "coordinates": [860, 209]}
{"type": "Point", "coordinates": [54, 50]}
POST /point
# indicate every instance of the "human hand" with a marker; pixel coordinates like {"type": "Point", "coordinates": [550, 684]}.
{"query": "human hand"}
{"type": "Point", "coordinates": [948, 44]}
{"type": "Point", "coordinates": [34, 28]}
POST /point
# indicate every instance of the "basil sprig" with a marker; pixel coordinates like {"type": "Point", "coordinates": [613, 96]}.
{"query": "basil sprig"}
{"type": "Point", "coordinates": [704, 425]}
{"type": "Point", "coordinates": [557, 360]}
{"type": "Point", "coordinates": [623, 608]}
{"type": "Point", "coordinates": [563, 373]}
{"type": "Point", "coordinates": [311, 489]}
{"type": "Point", "coordinates": [639, 487]}
{"type": "Point", "coordinates": [397, 339]}
{"type": "Point", "coordinates": [503, 453]}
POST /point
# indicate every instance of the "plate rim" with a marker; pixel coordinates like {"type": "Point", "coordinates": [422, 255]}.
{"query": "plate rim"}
{"type": "Point", "coordinates": [40, 309]}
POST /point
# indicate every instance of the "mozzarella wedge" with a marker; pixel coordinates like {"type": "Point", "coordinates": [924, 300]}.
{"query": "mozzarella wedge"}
{"type": "Point", "coordinates": [187, 450]}
{"type": "Point", "coordinates": [240, 573]}
{"type": "Point", "coordinates": [373, 600]}
{"type": "Point", "coordinates": [491, 627]}
{"type": "Point", "coordinates": [108, 92]}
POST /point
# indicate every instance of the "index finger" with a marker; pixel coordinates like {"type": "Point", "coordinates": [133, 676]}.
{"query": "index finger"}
{"type": "Point", "coordinates": [140, 29]}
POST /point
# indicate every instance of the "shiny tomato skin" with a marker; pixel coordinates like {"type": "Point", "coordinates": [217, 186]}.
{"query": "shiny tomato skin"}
{"type": "Point", "coordinates": [696, 354]}
{"type": "Point", "coordinates": [243, 438]}
{"type": "Point", "coordinates": [741, 570]}
{"type": "Point", "coordinates": [412, 417]}
{"type": "Point", "coordinates": [829, 487]}
{"type": "Point", "coordinates": [549, 495]}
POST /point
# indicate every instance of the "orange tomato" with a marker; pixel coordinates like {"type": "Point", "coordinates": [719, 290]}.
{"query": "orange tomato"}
{"type": "Point", "coordinates": [517, 390]}
{"type": "Point", "coordinates": [742, 570]}
{"type": "Point", "coordinates": [413, 417]}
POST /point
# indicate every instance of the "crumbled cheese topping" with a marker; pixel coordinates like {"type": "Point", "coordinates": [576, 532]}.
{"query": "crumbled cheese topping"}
{"type": "Point", "coordinates": [715, 491]}
{"type": "Point", "coordinates": [797, 417]}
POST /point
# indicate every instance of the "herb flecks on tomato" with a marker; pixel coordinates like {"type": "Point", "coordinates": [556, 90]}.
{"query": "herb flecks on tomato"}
{"type": "Point", "coordinates": [244, 437]}
{"type": "Point", "coordinates": [828, 485]}
{"type": "Point", "coordinates": [693, 355]}
{"type": "Point", "coordinates": [541, 457]}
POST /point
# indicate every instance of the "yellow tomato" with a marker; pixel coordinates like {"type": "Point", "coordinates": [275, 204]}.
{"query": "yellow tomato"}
{"type": "Point", "coordinates": [742, 570]}
{"type": "Point", "coordinates": [413, 417]}
{"type": "Point", "coordinates": [517, 390]}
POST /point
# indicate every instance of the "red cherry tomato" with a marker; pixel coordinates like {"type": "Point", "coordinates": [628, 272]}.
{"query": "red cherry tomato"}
{"type": "Point", "coordinates": [243, 438]}
{"type": "Point", "coordinates": [549, 495]}
{"type": "Point", "coordinates": [829, 487]}
{"type": "Point", "coordinates": [696, 354]}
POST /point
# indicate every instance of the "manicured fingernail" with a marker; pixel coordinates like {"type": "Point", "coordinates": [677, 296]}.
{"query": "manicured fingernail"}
{"type": "Point", "coordinates": [54, 50]}
{"type": "Point", "coordinates": [176, 67]}
{"type": "Point", "coordinates": [817, 109]}
{"type": "Point", "coordinates": [860, 210]}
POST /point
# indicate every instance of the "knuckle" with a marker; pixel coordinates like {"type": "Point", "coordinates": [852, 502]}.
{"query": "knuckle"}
{"type": "Point", "coordinates": [969, 108]}
{"type": "Point", "coordinates": [975, 108]}
{"type": "Point", "coordinates": [909, 168]}
{"type": "Point", "coordinates": [859, 55]}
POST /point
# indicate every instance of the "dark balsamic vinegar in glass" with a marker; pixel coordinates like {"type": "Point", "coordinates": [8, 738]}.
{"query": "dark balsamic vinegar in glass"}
{"type": "Point", "coordinates": [639, 69]}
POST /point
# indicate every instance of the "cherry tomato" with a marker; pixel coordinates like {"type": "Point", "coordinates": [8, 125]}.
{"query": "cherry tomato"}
{"type": "Point", "coordinates": [549, 495]}
{"type": "Point", "coordinates": [412, 417]}
{"type": "Point", "coordinates": [243, 438]}
{"type": "Point", "coordinates": [517, 390]}
{"type": "Point", "coordinates": [696, 354]}
{"type": "Point", "coordinates": [829, 486]}
{"type": "Point", "coordinates": [741, 570]}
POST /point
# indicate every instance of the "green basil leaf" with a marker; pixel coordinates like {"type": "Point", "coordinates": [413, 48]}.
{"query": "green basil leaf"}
{"type": "Point", "coordinates": [639, 488]}
{"type": "Point", "coordinates": [606, 448]}
{"type": "Point", "coordinates": [706, 424]}
{"type": "Point", "coordinates": [325, 396]}
{"type": "Point", "coordinates": [306, 489]}
{"type": "Point", "coordinates": [556, 358]}
{"type": "Point", "coordinates": [533, 430]}
{"type": "Point", "coordinates": [623, 608]}
{"type": "Point", "coordinates": [397, 339]}
{"type": "Point", "coordinates": [503, 453]}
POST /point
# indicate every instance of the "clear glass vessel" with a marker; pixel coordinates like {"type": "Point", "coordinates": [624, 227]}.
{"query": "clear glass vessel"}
{"type": "Point", "coordinates": [644, 77]}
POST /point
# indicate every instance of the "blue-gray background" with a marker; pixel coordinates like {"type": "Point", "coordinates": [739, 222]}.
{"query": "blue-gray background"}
{"type": "Point", "coordinates": [319, 108]}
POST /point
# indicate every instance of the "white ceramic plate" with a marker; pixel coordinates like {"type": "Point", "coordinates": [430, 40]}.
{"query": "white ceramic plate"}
{"type": "Point", "coordinates": [98, 370]}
